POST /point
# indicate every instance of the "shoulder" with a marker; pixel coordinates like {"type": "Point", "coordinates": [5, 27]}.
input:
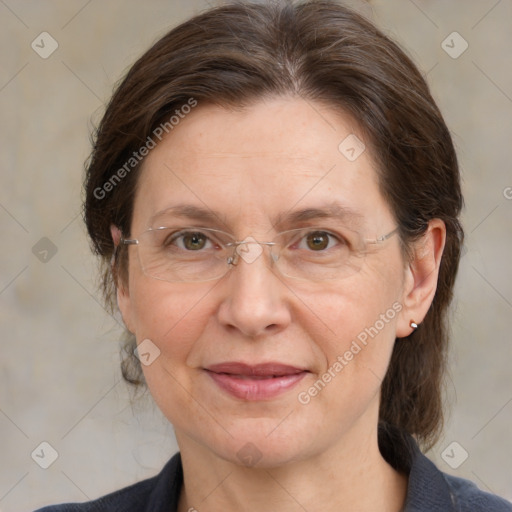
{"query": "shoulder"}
{"type": "Point", "coordinates": [130, 498]}
{"type": "Point", "coordinates": [470, 498]}
{"type": "Point", "coordinates": [155, 494]}
{"type": "Point", "coordinates": [429, 489]}
{"type": "Point", "coordinates": [432, 490]}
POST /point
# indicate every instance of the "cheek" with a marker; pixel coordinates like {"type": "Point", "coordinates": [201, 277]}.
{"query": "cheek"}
{"type": "Point", "coordinates": [171, 315]}
{"type": "Point", "coordinates": [353, 323]}
{"type": "Point", "coordinates": [355, 360]}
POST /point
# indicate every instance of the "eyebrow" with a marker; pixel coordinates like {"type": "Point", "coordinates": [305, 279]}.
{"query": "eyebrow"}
{"type": "Point", "coordinates": [333, 210]}
{"type": "Point", "coordinates": [190, 212]}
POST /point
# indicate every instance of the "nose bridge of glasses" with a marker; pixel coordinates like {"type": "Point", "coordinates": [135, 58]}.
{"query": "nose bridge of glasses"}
{"type": "Point", "coordinates": [248, 250]}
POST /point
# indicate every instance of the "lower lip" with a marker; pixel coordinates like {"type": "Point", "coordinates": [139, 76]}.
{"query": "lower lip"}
{"type": "Point", "coordinates": [255, 389]}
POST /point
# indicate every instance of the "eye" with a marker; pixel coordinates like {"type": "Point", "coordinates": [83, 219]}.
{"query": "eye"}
{"type": "Point", "coordinates": [190, 241]}
{"type": "Point", "coordinates": [318, 241]}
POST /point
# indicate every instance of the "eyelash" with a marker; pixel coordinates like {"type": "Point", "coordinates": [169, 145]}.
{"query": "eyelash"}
{"type": "Point", "coordinates": [171, 239]}
{"type": "Point", "coordinates": [319, 233]}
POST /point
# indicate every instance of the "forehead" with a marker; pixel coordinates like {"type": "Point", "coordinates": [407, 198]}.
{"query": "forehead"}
{"type": "Point", "coordinates": [259, 163]}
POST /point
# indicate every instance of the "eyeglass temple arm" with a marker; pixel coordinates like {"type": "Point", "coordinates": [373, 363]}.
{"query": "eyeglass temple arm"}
{"type": "Point", "coordinates": [383, 238]}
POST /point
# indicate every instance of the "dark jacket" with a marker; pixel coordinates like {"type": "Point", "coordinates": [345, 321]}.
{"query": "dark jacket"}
{"type": "Point", "coordinates": [429, 490]}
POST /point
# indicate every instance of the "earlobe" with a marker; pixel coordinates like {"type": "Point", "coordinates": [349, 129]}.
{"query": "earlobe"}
{"type": "Point", "coordinates": [421, 277]}
{"type": "Point", "coordinates": [115, 232]}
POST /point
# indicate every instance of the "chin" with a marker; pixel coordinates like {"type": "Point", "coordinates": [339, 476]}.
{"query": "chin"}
{"type": "Point", "coordinates": [265, 443]}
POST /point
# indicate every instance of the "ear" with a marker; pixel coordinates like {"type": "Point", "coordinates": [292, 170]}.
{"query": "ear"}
{"type": "Point", "coordinates": [123, 294]}
{"type": "Point", "coordinates": [421, 275]}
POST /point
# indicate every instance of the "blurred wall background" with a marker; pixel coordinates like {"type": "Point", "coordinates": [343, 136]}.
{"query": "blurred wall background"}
{"type": "Point", "coordinates": [59, 378]}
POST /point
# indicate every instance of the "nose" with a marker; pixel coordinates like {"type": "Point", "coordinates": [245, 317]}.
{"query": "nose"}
{"type": "Point", "coordinates": [255, 299]}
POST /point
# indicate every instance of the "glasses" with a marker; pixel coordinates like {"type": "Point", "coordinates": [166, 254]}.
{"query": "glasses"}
{"type": "Point", "coordinates": [195, 254]}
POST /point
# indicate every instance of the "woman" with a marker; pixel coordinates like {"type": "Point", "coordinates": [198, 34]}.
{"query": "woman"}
{"type": "Point", "coordinates": [275, 196]}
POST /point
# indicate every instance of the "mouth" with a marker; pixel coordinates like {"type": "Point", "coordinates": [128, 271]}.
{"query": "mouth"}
{"type": "Point", "coordinates": [255, 382]}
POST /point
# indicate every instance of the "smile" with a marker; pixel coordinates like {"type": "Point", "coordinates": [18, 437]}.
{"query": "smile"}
{"type": "Point", "coordinates": [255, 382]}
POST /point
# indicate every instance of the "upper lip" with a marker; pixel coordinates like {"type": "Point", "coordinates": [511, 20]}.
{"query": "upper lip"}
{"type": "Point", "coordinates": [257, 370]}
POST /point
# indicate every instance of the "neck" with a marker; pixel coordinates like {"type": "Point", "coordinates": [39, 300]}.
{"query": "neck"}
{"type": "Point", "coordinates": [344, 478]}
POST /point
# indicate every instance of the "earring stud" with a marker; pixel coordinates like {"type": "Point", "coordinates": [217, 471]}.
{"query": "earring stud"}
{"type": "Point", "coordinates": [414, 325]}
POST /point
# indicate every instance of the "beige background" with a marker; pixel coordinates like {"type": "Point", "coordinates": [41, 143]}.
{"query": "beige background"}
{"type": "Point", "coordinates": [59, 374]}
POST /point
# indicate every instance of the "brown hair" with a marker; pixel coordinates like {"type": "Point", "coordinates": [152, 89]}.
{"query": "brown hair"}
{"type": "Point", "coordinates": [237, 53]}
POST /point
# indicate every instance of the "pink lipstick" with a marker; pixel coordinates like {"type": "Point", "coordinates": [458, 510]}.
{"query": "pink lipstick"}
{"type": "Point", "coordinates": [255, 382]}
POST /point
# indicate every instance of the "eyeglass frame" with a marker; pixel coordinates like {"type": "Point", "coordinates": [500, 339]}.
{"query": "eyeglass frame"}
{"type": "Point", "coordinates": [233, 260]}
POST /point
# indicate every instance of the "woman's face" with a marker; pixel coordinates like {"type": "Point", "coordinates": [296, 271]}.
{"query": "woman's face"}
{"type": "Point", "coordinates": [250, 173]}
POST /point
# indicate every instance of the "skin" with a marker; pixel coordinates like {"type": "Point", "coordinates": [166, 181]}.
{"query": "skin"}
{"type": "Point", "coordinates": [276, 156]}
